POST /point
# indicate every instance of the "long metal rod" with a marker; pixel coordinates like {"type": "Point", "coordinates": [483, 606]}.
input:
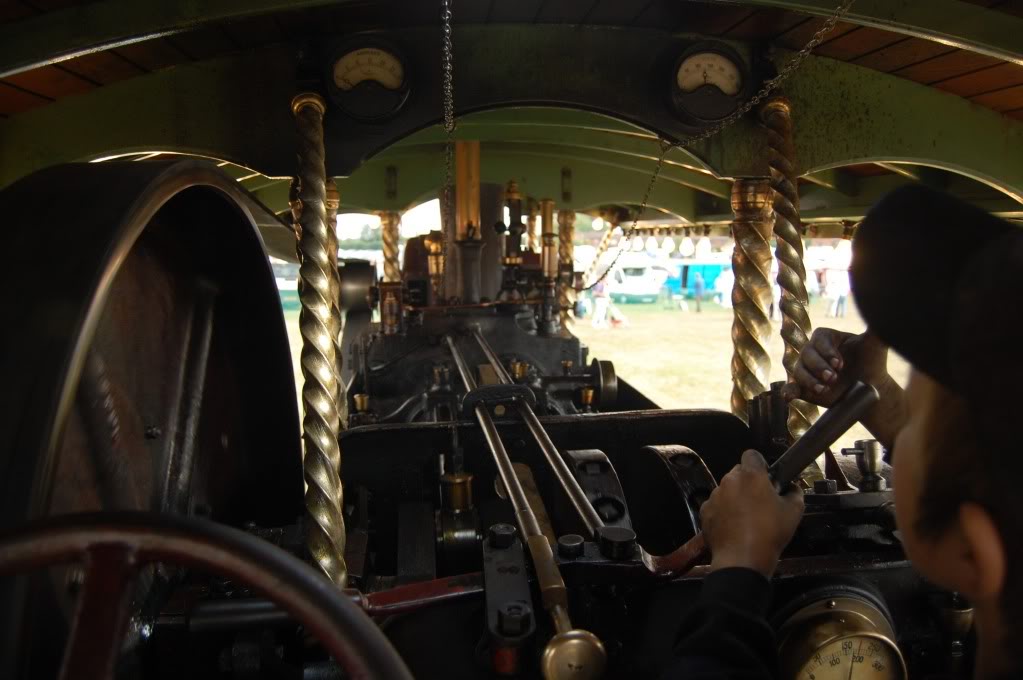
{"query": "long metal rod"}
{"type": "Point", "coordinates": [523, 512]}
{"type": "Point", "coordinates": [555, 459]}
{"type": "Point", "coordinates": [571, 648]}
{"type": "Point", "coordinates": [186, 434]}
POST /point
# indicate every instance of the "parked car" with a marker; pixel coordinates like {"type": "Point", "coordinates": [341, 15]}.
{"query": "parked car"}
{"type": "Point", "coordinates": [636, 282]}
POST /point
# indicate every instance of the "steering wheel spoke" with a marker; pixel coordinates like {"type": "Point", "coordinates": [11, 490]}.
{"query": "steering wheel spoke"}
{"type": "Point", "coordinates": [114, 546]}
{"type": "Point", "coordinates": [101, 613]}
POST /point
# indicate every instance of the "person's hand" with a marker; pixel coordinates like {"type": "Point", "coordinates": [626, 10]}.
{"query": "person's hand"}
{"type": "Point", "coordinates": [831, 361]}
{"type": "Point", "coordinates": [745, 522]}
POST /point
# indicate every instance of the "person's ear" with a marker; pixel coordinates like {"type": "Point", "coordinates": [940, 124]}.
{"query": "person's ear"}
{"type": "Point", "coordinates": [983, 562]}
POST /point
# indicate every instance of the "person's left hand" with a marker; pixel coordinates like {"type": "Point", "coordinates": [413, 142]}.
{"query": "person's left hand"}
{"type": "Point", "coordinates": [745, 522]}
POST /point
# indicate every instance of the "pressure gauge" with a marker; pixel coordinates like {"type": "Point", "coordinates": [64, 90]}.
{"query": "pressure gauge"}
{"type": "Point", "coordinates": [367, 79]}
{"type": "Point", "coordinates": [709, 82]}
{"type": "Point", "coordinates": [840, 638]}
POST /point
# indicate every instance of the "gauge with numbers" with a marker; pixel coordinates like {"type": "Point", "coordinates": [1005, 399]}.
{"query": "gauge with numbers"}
{"type": "Point", "coordinates": [710, 81]}
{"type": "Point", "coordinates": [840, 638]}
{"type": "Point", "coordinates": [367, 79]}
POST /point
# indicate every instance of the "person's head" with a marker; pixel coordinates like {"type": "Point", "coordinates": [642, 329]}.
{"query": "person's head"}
{"type": "Point", "coordinates": [942, 283]}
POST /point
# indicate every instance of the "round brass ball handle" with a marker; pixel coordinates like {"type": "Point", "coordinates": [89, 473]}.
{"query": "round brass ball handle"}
{"type": "Point", "coordinates": [112, 547]}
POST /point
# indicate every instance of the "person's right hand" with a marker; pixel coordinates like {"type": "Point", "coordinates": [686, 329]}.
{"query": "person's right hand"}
{"type": "Point", "coordinates": [832, 360]}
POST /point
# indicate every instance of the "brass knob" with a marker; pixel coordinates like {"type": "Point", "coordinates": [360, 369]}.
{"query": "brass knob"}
{"type": "Point", "coordinates": [361, 402]}
{"type": "Point", "coordinates": [574, 654]}
{"type": "Point", "coordinates": [587, 396]}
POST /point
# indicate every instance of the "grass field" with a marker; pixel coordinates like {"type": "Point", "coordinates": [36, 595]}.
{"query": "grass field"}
{"type": "Point", "coordinates": [679, 359]}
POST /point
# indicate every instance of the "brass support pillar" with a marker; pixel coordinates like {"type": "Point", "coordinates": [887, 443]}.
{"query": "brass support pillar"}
{"type": "Point", "coordinates": [751, 293]}
{"type": "Point", "coordinates": [566, 288]}
{"type": "Point", "coordinates": [776, 116]}
{"type": "Point", "coordinates": [532, 230]}
{"type": "Point", "coordinates": [320, 423]}
{"type": "Point", "coordinates": [549, 260]}
{"type": "Point", "coordinates": [389, 221]}
{"type": "Point", "coordinates": [602, 246]}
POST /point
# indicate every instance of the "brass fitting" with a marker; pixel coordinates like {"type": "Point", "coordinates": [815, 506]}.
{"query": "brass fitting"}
{"type": "Point", "coordinates": [361, 402]}
{"type": "Point", "coordinates": [456, 491]}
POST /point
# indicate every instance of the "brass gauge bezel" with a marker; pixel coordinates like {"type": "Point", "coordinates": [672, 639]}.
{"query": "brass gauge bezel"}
{"type": "Point", "coordinates": [708, 103]}
{"type": "Point", "coordinates": [367, 100]}
{"type": "Point", "coordinates": [828, 620]}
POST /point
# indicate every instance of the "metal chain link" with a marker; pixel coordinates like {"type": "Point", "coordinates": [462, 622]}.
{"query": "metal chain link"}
{"type": "Point", "coordinates": [770, 85]}
{"type": "Point", "coordinates": [448, 86]}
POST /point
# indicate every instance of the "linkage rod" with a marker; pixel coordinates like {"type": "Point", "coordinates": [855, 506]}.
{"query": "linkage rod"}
{"type": "Point", "coordinates": [571, 652]}
{"type": "Point", "coordinates": [554, 458]}
{"type": "Point", "coordinates": [523, 512]}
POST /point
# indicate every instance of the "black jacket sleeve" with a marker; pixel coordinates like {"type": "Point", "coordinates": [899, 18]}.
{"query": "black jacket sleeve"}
{"type": "Point", "coordinates": [725, 636]}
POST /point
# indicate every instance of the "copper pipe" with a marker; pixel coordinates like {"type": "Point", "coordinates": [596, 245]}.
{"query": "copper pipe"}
{"type": "Point", "coordinates": [320, 424]}
{"type": "Point", "coordinates": [751, 293]}
{"type": "Point", "coordinates": [776, 116]}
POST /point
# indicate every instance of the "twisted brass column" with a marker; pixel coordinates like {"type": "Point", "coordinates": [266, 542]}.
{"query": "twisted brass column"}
{"type": "Point", "coordinates": [602, 246]}
{"type": "Point", "coordinates": [751, 293]}
{"type": "Point", "coordinates": [389, 221]}
{"type": "Point", "coordinates": [320, 423]}
{"type": "Point", "coordinates": [566, 289]}
{"type": "Point", "coordinates": [776, 116]}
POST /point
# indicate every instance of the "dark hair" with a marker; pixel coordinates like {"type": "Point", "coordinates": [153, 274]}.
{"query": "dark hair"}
{"type": "Point", "coordinates": [968, 463]}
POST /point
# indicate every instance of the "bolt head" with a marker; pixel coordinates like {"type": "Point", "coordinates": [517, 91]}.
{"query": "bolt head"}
{"type": "Point", "coordinates": [570, 546]}
{"type": "Point", "coordinates": [501, 536]}
{"type": "Point", "coordinates": [616, 543]}
{"type": "Point", "coordinates": [514, 618]}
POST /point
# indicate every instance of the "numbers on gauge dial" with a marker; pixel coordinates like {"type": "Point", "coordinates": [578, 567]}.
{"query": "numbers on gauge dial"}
{"type": "Point", "coordinates": [369, 63]}
{"type": "Point", "coordinates": [856, 658]}
{"type": "Point", "coordinates": [709, 68]}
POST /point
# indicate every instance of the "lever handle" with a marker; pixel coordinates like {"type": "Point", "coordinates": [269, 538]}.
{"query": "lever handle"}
{"type": "Point", "coordinates": [836, 420]}
{"type": "Point", "coordinates": [857, 400]}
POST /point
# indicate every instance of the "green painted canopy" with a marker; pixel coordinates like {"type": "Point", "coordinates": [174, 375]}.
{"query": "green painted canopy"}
{"type": "Point", "coordinates": [899, 92]}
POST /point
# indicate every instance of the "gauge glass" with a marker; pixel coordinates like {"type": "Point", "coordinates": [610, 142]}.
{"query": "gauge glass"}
{"type": "Point", "coordinates": [369, 63]}
{"type": "Point", "coordinates": [709, 68]}
{"type": "Point", "coordinates": [857, 657]}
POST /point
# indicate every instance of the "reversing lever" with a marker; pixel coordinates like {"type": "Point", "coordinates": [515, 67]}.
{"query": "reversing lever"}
{"type": "Point", "coordinates": [829, 427]}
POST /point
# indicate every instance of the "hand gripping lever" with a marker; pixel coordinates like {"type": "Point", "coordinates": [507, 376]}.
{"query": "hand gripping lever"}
{"type": "Point", "coordinates": [857, 400]}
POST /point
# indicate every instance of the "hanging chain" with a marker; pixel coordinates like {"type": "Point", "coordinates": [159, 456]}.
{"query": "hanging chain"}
{"type": "Point", "coordinates": [448, 85]}
{"type": "Point", "coordinates": [770, 85]}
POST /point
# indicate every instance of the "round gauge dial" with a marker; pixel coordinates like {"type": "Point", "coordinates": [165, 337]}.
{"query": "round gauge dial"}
{"type": "Point", "coordinates": [709, 68]}
{"type": "Point", "coordinates": [857, 657]}
{"type": "Point", "coordinates": [370, 63]}
{"type": "Point", "coordinates": [367, 78]}
{"type": "Point", "coordinates": [709, 82]}
{"type": "Point", "coordinates": [847, 637]}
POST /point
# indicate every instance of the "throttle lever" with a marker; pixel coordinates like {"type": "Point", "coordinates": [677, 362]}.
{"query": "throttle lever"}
{"type": "Point", "coordinates": [856, 401]}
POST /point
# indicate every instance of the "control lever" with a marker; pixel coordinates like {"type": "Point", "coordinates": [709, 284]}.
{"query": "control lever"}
{"type": "Point", "coordinates": [829, 427]}
{"type": "Point", "coordinates": [572, 652]}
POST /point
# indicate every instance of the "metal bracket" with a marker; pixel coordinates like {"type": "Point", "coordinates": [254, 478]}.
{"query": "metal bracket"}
{"type": "Point", "coordinates": [598, 479]}
{"type": "Point", "coordinates": [511, 622]}
{"type": "Point", "coordinates": [496, 394]}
